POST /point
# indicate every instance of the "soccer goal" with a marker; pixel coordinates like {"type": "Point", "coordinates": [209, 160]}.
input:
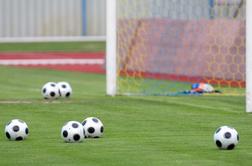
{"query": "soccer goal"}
{"type": "Point", "coordinates": [161, 47]}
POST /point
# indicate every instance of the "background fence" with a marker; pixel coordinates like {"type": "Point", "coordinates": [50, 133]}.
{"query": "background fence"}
{"type": "Point", "coordinates": [20, 19]}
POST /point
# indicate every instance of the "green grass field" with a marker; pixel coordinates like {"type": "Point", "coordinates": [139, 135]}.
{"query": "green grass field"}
{"type": "Point", "coordinates": [55, 47]}
{"type": "Point", "coordinates": [139, 130]}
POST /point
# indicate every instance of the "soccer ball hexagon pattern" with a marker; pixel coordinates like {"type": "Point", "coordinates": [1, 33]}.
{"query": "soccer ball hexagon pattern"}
{"type": "Point", "coordinates": [93, 127]}
{"type": "Point", "coordinates": [72, 131]}
{"type": "Point", "coordinates": [65, 89]}
{"type": "Point", "coordinates": [226, 137]}
{"type": "Point", "coordinates": [50, 90]}
{"type": "Point", "coordinates": [16, 130]}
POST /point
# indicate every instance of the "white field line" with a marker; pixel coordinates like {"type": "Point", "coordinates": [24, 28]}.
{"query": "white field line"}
{"type": "Point", "coordinates": [52, 61]}
{"type": "Point", "coordinates": [15, 102]}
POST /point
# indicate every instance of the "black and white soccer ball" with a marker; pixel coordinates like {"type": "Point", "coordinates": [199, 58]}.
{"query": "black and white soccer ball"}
{"type": "Point", "coordinates": [93, 127]}
{"type": "Point", "coordinates": [50, 91]}
{"type": "Point", "coordinates": [226, 137]}
{"type": "Point", "coordinates": [65, 89]}
{"type": "Point", "coordinates": [16, 130]}
{"type": "Point", "coordinates": [73, 131]}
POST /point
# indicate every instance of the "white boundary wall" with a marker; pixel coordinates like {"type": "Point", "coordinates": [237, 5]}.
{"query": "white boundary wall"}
{"type": "Point", "coordinates": [96, 17]}
{"type": "Point", "coordinates": [52, 39]}
{"type": "Point", "coordinates": [56, 20]}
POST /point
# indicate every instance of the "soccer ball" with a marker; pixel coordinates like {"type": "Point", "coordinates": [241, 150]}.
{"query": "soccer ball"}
{"type": "Point", "coordinates": [72, 131]}
{"type": "Point", "coordinates": [50, 90]}
{"type": "Point", "coordinates": [16, 130]}
{"type": "Point", "coordinates": [64, 89]}
{"type": "Point", "coordinates": [93, 127]}
{"type": "Point", "coordinates": [226, 137]}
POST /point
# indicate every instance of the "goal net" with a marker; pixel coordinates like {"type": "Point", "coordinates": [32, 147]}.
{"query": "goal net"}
{"type": "Point", "coordinates": [161, 47]}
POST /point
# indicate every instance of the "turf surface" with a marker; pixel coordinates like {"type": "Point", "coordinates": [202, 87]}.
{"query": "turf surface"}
{"type": "Point", "coordinates": [157, 130]}
{"type": "Point", "coordinates": [53, 46]}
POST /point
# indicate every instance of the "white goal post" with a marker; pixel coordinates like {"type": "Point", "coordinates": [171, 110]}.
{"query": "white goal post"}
{"type": "Point", "coordinates": [114, 32]}
{"type": "Point", "coordinates": [249, 56]}
{"type": "Point", "coordinates": [111, 48]}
